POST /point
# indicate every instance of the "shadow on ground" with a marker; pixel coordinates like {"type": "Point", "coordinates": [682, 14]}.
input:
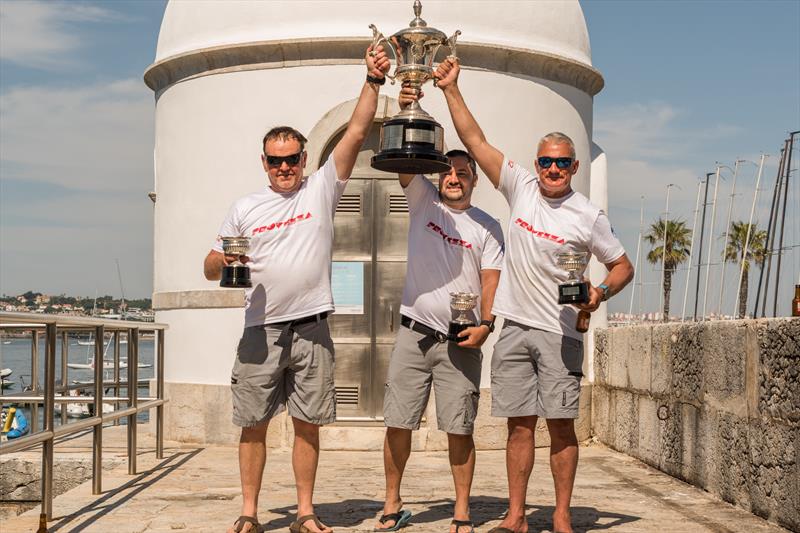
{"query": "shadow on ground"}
{"type": "Point", "coordinates": [484, 509]}
{"type": "Point", "coordinates": [106, 503]}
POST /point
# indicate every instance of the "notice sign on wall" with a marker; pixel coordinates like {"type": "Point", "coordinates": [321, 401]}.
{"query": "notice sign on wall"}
{"type": "Point", "coordinates": [347, 282]}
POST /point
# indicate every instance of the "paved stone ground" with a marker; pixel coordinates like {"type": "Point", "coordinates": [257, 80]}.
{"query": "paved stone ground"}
{"type": "Point", "coordinates": [196, 489]}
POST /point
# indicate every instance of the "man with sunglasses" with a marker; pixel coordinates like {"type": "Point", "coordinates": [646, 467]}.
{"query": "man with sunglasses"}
{"type": "Point", "coordinates": [537, 360]}
{"type": "Point", "coordinates": [285, 356]}
{"type": "Point", "coordinates": [452, 247]}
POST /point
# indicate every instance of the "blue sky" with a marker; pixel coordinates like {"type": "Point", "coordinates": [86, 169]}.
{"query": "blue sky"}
{"type": "Point", "coordinates": [688, 83]}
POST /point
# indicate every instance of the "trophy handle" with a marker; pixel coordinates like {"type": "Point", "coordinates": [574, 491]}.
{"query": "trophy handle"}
{"type": "Point", "coordinates": [378, 38]}
{"type": "Point", "coordinates": [451, 44]}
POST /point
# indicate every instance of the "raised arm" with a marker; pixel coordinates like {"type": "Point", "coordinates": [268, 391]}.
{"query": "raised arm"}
{"type": "Point", "coordinates": [346, 151]}
{"type": "Point", "coordinates": [407, 95]}
{"type": "Point", "coordinates": [489, 158]}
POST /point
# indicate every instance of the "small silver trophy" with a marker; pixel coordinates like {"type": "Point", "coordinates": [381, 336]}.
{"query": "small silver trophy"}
{"type": "Point", "coordinates": [462, 302]}
{"type": "Point", "coordinates": [575, 291]}
{"type": "Point", "coordinates": [235, 275]}
{"type": "Point", "coordinates": [412, 141]}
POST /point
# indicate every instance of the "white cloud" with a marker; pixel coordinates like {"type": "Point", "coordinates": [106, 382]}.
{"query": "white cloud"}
{"type": "Point", "coordinates": [97, 137]}
{"type": "Point", "coordinates": [41, 34]}
{"type": "Point", "coordinates": [76, 165]}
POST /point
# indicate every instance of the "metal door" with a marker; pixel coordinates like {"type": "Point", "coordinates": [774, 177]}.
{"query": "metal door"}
{"type": "Point", "coordinates": [371, 228]}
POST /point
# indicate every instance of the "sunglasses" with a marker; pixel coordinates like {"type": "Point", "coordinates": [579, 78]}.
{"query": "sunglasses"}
{"type": "Point", "coordinates": [561, 162]}
{"type": "Point", "coordinates": [278, 160]}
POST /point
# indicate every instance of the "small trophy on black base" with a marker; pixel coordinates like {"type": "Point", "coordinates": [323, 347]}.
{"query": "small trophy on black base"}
{"type": "Point", "coordinates": [574, 291]}
{"type": "Point", "coordinates": [412, 141]}
{"type": "Point", "coordinates": [462, 302]}
{"type": "Point", "coordinates": [236, 275]}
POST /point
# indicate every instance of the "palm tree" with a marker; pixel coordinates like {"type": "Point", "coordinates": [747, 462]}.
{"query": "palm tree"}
{"type": "Point", "coordinates": [755, 252]}
{"type": "Point", "coordinates": [678, 246]}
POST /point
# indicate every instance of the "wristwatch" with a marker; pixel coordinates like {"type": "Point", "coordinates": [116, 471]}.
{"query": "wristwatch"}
{"type": "Point", "coordinates": [605, 290]}
{"type": "Point", "coordinates": [375, 80]}
{"type": "Point", "coordinates": [489, 323]}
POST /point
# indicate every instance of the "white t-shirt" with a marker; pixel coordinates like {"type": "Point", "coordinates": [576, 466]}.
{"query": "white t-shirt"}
{"type": "Point", "coordinates": [291, 240]}
{"type": "Point", "coordinates": [447, 249]}
{"type": "Point", "coordinates": [540, 228]}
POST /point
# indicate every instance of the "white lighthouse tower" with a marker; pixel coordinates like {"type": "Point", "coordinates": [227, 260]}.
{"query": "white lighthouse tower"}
{"type": "Point", "coordinates": [226, 72]}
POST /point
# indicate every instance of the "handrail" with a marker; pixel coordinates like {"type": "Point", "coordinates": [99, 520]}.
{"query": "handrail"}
{"type": "Point", "coordinates": [51, 325]}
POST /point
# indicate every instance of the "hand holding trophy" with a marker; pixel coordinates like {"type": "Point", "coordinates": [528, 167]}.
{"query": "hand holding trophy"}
{"type": "Point", "coordinates": [461, 302]}
{"type": "Point", "coordinates": [235, 275]}
{"type": "Point", "coordinates": [574, 291]}
{"type": "Point", "coordinates": [412, 141]}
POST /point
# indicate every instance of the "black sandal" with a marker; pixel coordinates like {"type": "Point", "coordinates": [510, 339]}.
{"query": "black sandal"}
{"type": "Point", "coordinates": [462, 523]}
{"type": "Point", "coordinates": [238, 525]}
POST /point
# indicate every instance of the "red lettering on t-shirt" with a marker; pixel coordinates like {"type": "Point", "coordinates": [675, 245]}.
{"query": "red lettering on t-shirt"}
{"type": "Point", "coordinates": [541, 234]}
{"type": "Point", "coordinates": [282, 223]}
{"type": "Point", "coordinates": [448, 239]}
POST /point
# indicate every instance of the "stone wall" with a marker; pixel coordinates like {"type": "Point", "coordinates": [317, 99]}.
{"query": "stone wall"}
{"type": "Point", "coordinates": [716, 404]}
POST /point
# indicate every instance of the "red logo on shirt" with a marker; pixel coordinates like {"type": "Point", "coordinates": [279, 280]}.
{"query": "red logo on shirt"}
{"type": "Point", "coordinates": [447, 238]}
{"type": "Point", "coordinates": [541, 234]}
{"type": "Point", "coordinates": [283, 224]}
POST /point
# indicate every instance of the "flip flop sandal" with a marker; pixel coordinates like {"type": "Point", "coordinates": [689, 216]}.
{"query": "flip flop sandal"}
{"type": "Point", "coordinates": [401, 519]}
{"type": "Point", "coordinates": [462, 523]}
{"type": "Point", "coordinates": [298, 527]}
{"type": "Point", "coordinates": [238, 525]}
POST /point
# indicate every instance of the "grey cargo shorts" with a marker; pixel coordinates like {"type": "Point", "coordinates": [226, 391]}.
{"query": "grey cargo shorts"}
{"type": "Point", "coordinates": [535, 373]}
{"type": "Point", "coordinates": [279, 367]}
{"type": "Point", "coordinates": [418, 361]}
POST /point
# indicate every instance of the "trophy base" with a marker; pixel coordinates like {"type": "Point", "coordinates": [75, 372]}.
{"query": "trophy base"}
{"type": "Point", "coordinates": [456, 328]}
{"type": "Point", "coordinates": [411, 144]}
{"type": "Point", "coordinates": [235, 277]}
{"type": "Point", "coordinates": [576, 292]}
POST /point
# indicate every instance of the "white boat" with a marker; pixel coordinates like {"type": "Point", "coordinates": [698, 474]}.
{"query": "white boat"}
{"type": "Point", "coordinates": [107, 365]}
{"type": "Point", "coordinates": [79, 410]}
{"type": "Point", "coordinates": [6, 342]}
{"type": "Point", "coordinates": [91, 342]}
{"type": "Point", "coordinates": [4, 382]}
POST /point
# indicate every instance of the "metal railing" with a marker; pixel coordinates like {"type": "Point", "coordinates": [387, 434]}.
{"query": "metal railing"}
{"type": "Point", "coordinates": [50, 326]}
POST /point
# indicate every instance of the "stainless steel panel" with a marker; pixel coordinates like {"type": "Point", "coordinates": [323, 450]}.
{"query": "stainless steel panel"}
{"type": "Point", "coordinates": [391, 221]}
{"type": "Point", "coordinates": [389, 280]}
{"type": "Point", "coordinates": [353, 378]}
{"type": "Point", "coordinates": [352, 224]}
{"type": "Point", "coordinates": [356, 328]}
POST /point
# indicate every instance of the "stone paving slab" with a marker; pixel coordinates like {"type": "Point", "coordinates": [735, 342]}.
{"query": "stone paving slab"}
{"type": "Point", "coordinates": [196, 489]}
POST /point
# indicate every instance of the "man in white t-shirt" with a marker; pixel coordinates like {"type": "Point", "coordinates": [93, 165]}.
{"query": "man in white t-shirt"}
{"type": "Point", "coordinates": [452, 247]}
{"type": "Point", "coordinates": [537, 361]}
{"type": "Point", "coordinates": [285, 356]}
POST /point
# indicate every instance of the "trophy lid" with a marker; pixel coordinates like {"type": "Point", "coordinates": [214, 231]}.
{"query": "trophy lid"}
{"type": "Point", "coordinates": [419, 28]}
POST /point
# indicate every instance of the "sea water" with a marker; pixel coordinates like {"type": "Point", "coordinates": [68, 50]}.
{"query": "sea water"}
{"type": "Point", "coordinates": [16, 355]}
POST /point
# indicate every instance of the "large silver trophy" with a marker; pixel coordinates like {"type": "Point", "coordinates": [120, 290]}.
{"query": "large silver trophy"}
{"type": "Point", "coordinates": [461, 302]}
{"type": "Point", "coordinates": [235, 275]}
{"type": "Point", "coordinates": [412, 141]}
{"type": "Point", "coordinates": [574, 290]}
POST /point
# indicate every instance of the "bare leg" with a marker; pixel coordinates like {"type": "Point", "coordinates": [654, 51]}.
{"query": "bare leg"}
{"type": "Point", "coordinates": [563, 464]}
{"type": "Point", "coordinates": [252, 458]}
{"type": "Point", "coordinates": [305, 457]}
{"type": "Point", "coordinates": [396, 450]}
{"type": "Point", "coordinates": [461, 450]}
{"type": "Point", "coordinates": [519, 465]}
